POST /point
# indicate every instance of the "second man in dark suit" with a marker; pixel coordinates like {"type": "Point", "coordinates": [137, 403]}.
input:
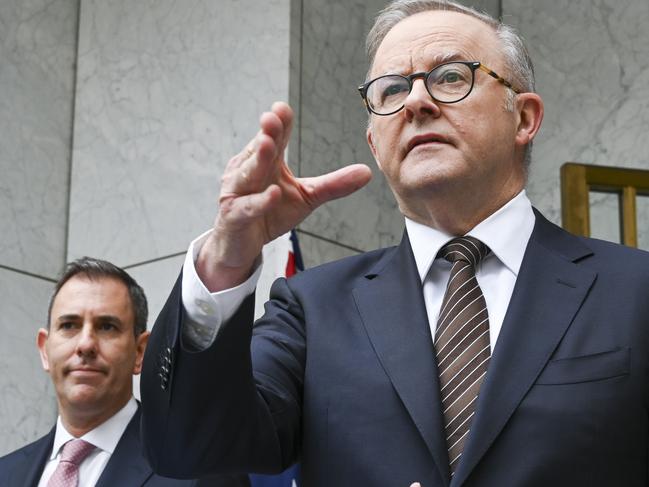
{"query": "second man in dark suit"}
{"type": "Point", "coordinates": [93, 345]}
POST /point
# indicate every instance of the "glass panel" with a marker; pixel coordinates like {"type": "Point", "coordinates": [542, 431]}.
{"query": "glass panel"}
{"type": "Point", "coordinates": [605, 216]}
{"type": "Point", "coordinates": [642, 210]}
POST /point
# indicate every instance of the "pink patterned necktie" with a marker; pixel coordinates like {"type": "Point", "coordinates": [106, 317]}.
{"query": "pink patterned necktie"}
{"type": "Point", "coordinates": [67, 471]}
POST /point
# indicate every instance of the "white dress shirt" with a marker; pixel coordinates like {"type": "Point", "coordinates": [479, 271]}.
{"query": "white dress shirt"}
{"type": "Point", "coordinates": [105, 437]}
{"type": "Point", "coordinates": [506, 232]}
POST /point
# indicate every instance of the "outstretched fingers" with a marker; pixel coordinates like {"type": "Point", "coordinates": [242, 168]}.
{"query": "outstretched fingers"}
{"type": "Point", "coordinates": [285, 114]}
{"type": "Point", "coordinates": [255, 167]}
{"type": "Point", "coordinates": [336, 184]}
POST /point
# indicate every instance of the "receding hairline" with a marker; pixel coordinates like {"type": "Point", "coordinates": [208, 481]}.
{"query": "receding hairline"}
{"type": "Point", "coordinates": [445, 56]}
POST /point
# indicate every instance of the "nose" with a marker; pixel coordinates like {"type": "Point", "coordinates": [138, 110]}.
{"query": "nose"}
{"type": "Point", "coordinates": [87, 342]}
{"type": "Point", "coordinates": [419, 103]}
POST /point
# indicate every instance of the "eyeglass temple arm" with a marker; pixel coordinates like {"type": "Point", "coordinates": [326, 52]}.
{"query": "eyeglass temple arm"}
{"type": "Point", "coordinates": [499, 78]}
{"type": "Point", "coordinates": [361, 90]}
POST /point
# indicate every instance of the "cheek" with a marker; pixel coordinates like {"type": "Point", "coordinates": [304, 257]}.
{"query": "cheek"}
{"type": "Point", "coordinates": [478, 138]}
{"type": "Point", "coordinates": [121, 359]}
{"type": "Point", "coordinates": [56, 358]}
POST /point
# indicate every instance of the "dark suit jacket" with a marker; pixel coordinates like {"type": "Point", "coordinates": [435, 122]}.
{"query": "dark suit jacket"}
{"type": "Point", "coordinates": [341, 376]}
{"type": "Point", "coordinates": [127, 466]}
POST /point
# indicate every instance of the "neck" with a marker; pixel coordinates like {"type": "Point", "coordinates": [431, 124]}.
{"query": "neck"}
{"type": "Point", "coordinates": [457, 213]}
{"type": "Point", "coordinates": [79, 421]}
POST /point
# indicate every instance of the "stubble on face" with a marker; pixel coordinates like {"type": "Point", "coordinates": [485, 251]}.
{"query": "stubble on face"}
{"type": "Point", "coordinates": [90, 350]}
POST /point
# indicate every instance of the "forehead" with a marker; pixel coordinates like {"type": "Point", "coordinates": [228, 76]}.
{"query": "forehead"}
{"type": "Point", "coordinates": [422, 40]}
{"type": "Point", "coordinates": [98, 296]}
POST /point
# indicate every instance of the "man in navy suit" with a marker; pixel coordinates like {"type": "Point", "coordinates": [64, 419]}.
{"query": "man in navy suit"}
{"type": "Point", "coordinates": [93, 345]}
{"type": "Point", "coordinates": [343, 373]}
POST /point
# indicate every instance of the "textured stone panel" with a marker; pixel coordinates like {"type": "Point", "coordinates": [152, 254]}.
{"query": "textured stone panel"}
{"type": "Point", "coordinates": [27, 404]}
{"type": "Point", "coordinates": [168, 91]}
{"type": "Point", "coordinates": [37, 51]}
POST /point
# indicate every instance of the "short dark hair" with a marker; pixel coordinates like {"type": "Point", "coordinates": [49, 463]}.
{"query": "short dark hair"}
{"type": "Point", "coordinates": [96, 269]}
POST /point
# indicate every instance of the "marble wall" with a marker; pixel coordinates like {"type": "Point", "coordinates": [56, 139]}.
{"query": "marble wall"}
{"type": "Point", "coordinates": [37, 49]}
{"type": "Point", "coordinates": [120, 157]}
{"type": "Point", "coordinates": [167, 92]}
{"type": "Point", "coordinates": [37, 54]}
{"type": "Point", "coordinates": [592, 68]}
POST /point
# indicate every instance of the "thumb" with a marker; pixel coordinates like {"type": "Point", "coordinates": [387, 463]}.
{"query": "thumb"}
{"type": "Point", "coordinates": [342, 182]}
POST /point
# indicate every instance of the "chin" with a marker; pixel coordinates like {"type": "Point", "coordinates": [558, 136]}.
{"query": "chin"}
{"type": "Point", "coordinates": [84, 394]}
{"type": "Point", "coordinates": [426, 181]}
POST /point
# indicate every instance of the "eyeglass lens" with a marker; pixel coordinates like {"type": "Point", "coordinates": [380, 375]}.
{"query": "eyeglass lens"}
{"type": "Point", "coordinates": [447, 83]}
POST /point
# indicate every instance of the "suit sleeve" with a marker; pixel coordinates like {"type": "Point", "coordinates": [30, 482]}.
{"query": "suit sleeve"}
{"type": "Point", "coordinates": [233, 407]}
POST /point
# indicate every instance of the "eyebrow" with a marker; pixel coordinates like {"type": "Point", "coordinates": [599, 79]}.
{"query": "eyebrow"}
{"type": "Point", "coordinates": [68, 317]}
{"type": "Point", "coordinates": [435, 61]}
{"type": "Point", "coordinates": [100, 318]}
{"type": "Point", "coordinates": [111, 318]}
{"type": "Point", "coordinates": [448, 57]}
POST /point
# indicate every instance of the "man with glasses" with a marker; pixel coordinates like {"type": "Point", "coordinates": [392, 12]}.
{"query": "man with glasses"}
{"type": "Point", "coordinates": [490, 348]}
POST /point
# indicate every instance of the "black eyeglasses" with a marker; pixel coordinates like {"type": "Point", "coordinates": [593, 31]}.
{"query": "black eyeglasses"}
{"type": "Point", "coordinates": [446, 83]}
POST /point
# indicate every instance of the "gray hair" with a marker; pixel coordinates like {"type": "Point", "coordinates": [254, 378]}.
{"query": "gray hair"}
{"type": "Point", "coordinates": [93, 269]}
{"type": "Point", "coordinates": [518, 63]}
{"type": "Point", "coordinates": [517, 59]}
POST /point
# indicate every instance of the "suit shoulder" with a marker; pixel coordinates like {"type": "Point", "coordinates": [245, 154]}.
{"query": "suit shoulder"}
{"type": "Point", "coordinates": [22, 458]}
{"type": "Point", "coordinates": [613, 248]}
{"type": "Point", "coordinates": [608, 249]}
{"type": "Point", "coordinates": [24, 451]}
{"type": "Point", "coordinates": [616, 259]}
{"type": "Point", "coordinates": [599, 254]}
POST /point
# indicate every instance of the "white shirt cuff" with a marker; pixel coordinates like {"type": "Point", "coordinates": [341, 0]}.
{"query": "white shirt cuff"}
{"type": "Point", "coordinates": [207, 311]}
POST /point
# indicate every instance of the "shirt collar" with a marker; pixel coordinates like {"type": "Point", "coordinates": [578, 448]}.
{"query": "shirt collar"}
{"type": "Point", "coordinates": [105, 436]}
{"type": "Point", "coordinates": [506, 232]}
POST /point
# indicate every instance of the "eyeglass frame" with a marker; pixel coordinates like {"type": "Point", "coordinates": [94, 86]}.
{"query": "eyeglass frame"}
{"type": "Point", "coordinates": [473, 65]}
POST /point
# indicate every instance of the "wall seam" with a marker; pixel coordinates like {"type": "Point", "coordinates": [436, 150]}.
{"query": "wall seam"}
{"type": "Point", "coordinates": [299, 93]}
{"type": "Point", "coordinates": [329, 240]}
{"type": "Point", "coordinates": [26, 273]}
{"type": "Point", "coordinates": [66, 236]}
{"type": "Point", "coordinates": [154, 260]}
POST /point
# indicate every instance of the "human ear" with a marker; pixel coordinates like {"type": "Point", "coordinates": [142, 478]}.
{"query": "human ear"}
{"type": "Point", "coordinates": [41, 340]}
{"type": "Point", "coordinates": [140, 347]}
{"type": "Point", "coordinates": [529, 107]}
{"type": "Point", "coordinates": [371, 143]}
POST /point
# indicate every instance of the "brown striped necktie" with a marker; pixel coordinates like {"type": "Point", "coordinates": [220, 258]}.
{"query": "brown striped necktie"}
{"type": "Point", "coordinates": [461, 342]}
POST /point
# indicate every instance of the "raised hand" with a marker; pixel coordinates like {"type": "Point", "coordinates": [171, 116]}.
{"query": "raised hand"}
{"type": "Point", "coordinates": [261, 199]}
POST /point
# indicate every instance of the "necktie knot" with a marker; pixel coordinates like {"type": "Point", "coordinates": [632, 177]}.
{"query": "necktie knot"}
{"type": "Point", "coordinates": [67, 471]}
{"type": "Point", "coordinates": [465, 249]}
{"type": "Point", "coordinates": [75, 451]}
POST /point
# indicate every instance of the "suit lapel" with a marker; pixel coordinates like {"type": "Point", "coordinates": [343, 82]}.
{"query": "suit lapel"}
{"type": "Point", "coordinates": [127, 466]}
{"type": "Point", "coordinates": [549, 290]}
{"type": "Point", "coordinates": [391, 305]}
{"type": "Point", "coordinates": [28, 473]}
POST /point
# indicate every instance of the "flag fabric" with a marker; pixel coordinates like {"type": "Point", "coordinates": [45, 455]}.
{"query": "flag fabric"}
{"type": "Point", "coordinates": [282, 257]}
